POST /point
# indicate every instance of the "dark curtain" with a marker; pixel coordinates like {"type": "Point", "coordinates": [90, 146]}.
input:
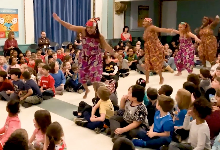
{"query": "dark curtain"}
{"type": "Point", "coordinates": [76, 12]}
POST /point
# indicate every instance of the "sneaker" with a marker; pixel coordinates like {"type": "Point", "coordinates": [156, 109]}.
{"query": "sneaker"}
{"type": "Point", "coordinates": [80, 91]}
{"type": "Point", "coordinates": [99, 130]}
{"type": "Point", "coordinates": [81, 122]}
{"type": "Point", "coordinates": [139, 142]}
{"type": "Point", "coordinates": [75, 113]}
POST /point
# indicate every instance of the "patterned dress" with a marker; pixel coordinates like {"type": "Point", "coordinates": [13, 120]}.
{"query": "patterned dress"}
{"type": "Point", "coordinates": [185, 56]}
{"type": "Point", "coordinates": [154, 51]}
{"type": "Point", "coordinates": [90, 61]}
{"type": "Point", "coordinates": [208, 45]}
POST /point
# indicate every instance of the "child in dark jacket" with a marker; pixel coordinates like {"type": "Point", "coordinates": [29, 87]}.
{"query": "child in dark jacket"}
{"type": "Point", "coordinates": [5, 85]}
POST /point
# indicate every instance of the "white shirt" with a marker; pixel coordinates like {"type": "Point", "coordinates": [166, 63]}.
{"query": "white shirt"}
{"type": "Point", "coordinates": [199, 135]}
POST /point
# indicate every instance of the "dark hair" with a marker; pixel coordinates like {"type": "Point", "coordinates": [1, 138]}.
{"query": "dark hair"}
{"type": "Point", "coordinates": [10, 60]}
{"type": "Point", "coordinates": [74, 67]}
{"type": "Point", "coordinates": [69, 46]}
{"type": "Point", "coordinates": [167, 89]}
{"type": "Point", "coordinates": [54, 133]}
{"type": "Point", "coordinates": [205, 73]}
{"type": "Point", "coordinates": [66, 58]}
{"type": "Point", "coordinates": [190, 86]}
{"type": "Point", "coordinates": [3, 74]}
{"type": "Point", "coordinates": [46, 67]}
{"type": "Point", "coordinates": [37, 62]}
{"type": "Point", "coordinates": [202, 107]}
{"type": "Point", "coordinates": [43, 119]}
{"type": "Point", "coordinates": [15, 71]}
{"type": "Point", "coordinates": [96, 35]}
{"type": "Point", "coordinates": [13, 107]}
{"type": "Point", "coordinates": [123, 144]}
{"type": "Point", "coordinates": [138, 92]}
{"type": "Point", "coordinates": [17, 141]}
{"type": "Point", "coordinates": [194, 78]}
{"type": "Point", "coordinates": [26, 75]}
{"type": "Point", "coordinates": [52, 66]}
{"type": "Point", "coordinates": [67, 50]}
{"type": "Point", "coordinates": [50, 56]}
{"type": "Point", "coordinates": [125, 28]}
{"type": "Point", "coordinates": [38, 50]}
{"type": "Point", "coordinates": [217, 93]}
{"type": "Point", "coordinates": [42, 32]}
{"type": "Point", "coordinates": [166, 103]}
{"type": "Point", "coordinates": [152, 94]}
{"type": "Point", "coordinates": [141, 82]}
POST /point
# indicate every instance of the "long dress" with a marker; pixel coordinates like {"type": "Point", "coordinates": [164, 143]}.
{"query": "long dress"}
{"type": "Point", "coordinates": [208, 45]}
{"type": "Point", "coordinates": [154, 51]}
{"type": "Point", "coordinates": [185, 56]}
{"type": "Point", "coordinates": [90, 61]}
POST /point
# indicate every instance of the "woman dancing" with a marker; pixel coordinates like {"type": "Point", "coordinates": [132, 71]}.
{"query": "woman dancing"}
{"type": "Point", "coordinates": [90, 58]}
{"type": "Point", "coordinates": [185, 56]}
{"type": "Point", "coordinates": [208, 45]}
{"type": "Point", "coordinates": [154, 50]}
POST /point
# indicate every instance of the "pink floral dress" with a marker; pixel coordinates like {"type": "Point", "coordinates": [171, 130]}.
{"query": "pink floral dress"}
{"type": "Point", "coordinates": [90, 61]}
{"type": "Point", "coordinates": [185, 56]}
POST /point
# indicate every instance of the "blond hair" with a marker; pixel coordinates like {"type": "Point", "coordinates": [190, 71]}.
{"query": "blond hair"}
{"type": "Point", "coordinates": [183, 98]}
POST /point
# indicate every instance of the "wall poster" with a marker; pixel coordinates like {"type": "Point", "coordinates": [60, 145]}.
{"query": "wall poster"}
{"type": "Point", "coordinates": [8, 22]}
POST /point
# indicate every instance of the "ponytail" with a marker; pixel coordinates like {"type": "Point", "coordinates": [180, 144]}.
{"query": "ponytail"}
{"type": "Point", "coordinates": [51, 144]}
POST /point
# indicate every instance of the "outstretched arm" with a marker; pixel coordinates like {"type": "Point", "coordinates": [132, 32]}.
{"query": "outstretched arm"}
{"type": "Point", "coordinates": [68, 25]}
{"type": "Point", "coordinates": [164, 30]}
{"type": "Point", "coordinates": [194, 37]}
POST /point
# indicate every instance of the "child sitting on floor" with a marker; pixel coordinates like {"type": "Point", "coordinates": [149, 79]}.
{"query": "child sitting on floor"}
{"type": "Point", "coordinates": [12, 122]}
{"type": "Point", "coordinates": [106, 110]}
{"type": "Point", "coordinates": [5, 85]}
{"type": "Point", "coordinates": [42, 119]}
{"type": "Point", "coordinates": [162, 130]}
{"type": "Point", "coordinates": [199, 133]}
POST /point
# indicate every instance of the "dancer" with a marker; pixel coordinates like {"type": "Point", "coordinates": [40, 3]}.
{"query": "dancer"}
{"type": "Point", "coordinates": [208, 45]}
{"type": "Point", "coordinates": [185, 56]}
{"type": "Point", "coordinates": [90, 58]}
{"type": "Point", "coordinates": [154, 50]}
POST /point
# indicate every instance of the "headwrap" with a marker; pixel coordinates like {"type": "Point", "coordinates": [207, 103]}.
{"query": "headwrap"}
{"type": "Point", "coordinates": [92, 22]}
{"type": "Point", "coordinates": [148, 20]}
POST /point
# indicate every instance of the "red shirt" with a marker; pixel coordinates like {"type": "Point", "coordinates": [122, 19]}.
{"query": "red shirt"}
{"type": "Point", "coordinates": [213, 122]}
{"type": "Point", "coordinates": [31, 65]}
{"type": "Point", "coordinates": [41, 57]}
{"type": "Point", "coordinates": [27, 59]}
{"type": "Point", "coordinates": [6, 85]}
{"type": "Point", "coordinates": [60, 56]}
{"type": "Point", "coordinates": [124, 39]}
{"type": "Point", "coordinates": [47, 83]}
{"type": "Point", "coordinates": [9, 43]}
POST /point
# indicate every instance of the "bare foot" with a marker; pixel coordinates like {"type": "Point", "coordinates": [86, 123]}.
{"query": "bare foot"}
{"type": "Point", "coordinates": [178, 74]}
{"type": "Point", "coordinates": [86, 93]}
{"type": "Point", "coordinates": [161, 80]}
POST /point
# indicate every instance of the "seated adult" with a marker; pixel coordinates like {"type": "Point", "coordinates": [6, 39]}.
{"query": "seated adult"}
{"type": "Point", "coordinates": [10, 44]}
{"type": "Point", "coordinates": [126, 36]}
{"type": "Point", "coordinates": [43, 41]}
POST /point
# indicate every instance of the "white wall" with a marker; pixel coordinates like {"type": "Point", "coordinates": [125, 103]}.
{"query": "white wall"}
{"type": "Point", "coordinates": [29, 21]}
{"type": "Point", "coordinates": [169, 10]}
{"type": "Point", "coordinates": [15, 4]}
{"type": "Point", "coordinates": [118, 24]}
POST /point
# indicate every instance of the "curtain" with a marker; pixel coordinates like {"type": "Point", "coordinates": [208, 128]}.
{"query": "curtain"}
{"type": "Point", "coordinates": [76, 12]}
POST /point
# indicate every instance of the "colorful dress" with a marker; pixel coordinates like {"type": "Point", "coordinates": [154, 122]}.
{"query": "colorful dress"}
{"type": "Point", "coordinates": [154, 51]}
{"type": "Point", "coordinates": [61, 146]}
{"type": "Point", "coordinates": [185, 56]}
{"type": "Point", "coordinates": [39, 139]}
{"type": "Point", "coordinates": [208, 45]}
{"type": "Point", "coordinates": [90, 61]}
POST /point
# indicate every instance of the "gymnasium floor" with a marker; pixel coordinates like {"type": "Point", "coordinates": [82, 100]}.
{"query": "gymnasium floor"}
{"type": "Point", "coordinates": [61, 108]}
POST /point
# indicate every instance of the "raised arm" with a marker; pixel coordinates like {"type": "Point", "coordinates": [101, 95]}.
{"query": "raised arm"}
{"type": "Point", "coordinates": [68, 25]}
{"type": "Point", "coordinates": [164, 30]}
{"type": "Point", "coordinates": [215, 22]}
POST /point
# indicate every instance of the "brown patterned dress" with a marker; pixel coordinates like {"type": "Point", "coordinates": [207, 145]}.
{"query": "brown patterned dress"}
{"type": "Point", "coordinates": [154, 51]}
{"type": "Point", "coordinates": [208, 45]}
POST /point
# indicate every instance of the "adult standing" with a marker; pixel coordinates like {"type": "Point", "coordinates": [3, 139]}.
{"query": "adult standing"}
{"type": "Point", "coordinates": [43, 41]}
{"type": "Point", "coordinates": [90, 58]}
{"type": "Point", "coordinates": [126, 36]}
{"type": "Point", "coordinates": [10, 43]}
{"type": "Point", "coordinates": [208, 45]}
{"type": "Point", "coordinates": [154, 50]}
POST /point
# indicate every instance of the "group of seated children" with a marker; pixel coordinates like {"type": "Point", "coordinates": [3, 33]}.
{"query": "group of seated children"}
{"type": "Point", "coordinates": [158, 122]}
{"type": "Point", "coordinates": [46, 136]}
{"type": "Point", "coordinates": [37, 77]}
